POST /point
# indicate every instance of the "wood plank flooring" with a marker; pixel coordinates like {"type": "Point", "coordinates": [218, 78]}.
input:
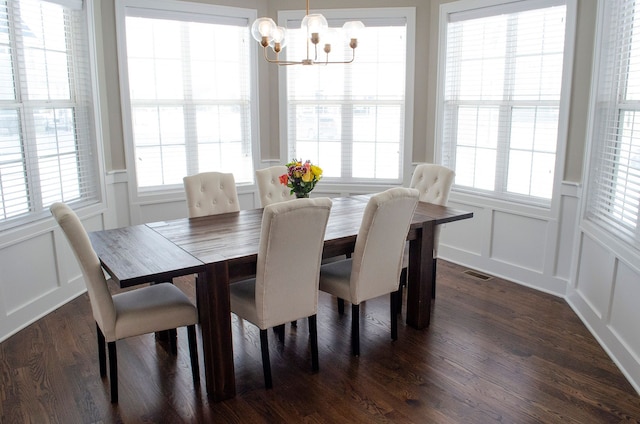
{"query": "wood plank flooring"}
{"type": "Point", "coordinates": [495, 352]}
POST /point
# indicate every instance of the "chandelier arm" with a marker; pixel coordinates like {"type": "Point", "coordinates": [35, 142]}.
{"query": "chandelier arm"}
{"type": "Point", "coordinates": [278, 61]}
{"type": "Point", "coordinates": [327, 62]}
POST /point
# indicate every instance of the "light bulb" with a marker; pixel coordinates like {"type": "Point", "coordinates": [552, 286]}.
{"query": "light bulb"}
{"type": "Point", "coordinates": [279, 39]}
{"type": "Point", "coordinates": [314, 24]}
{"type": "Point", "coordinates": [263, 27]}
{"type": "Point", "coordinates": [352, 29]}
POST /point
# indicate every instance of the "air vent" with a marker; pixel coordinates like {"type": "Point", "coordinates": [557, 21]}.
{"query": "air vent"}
{"type": "Point", "coordinates": [478, 275]}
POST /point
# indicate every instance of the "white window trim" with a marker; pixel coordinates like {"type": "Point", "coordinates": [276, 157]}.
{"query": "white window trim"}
{"type": "Point", "coordinates": [408, 13]}
{"type": "Point", "coordinates": [446, 9]}
{"type": "Point", "coordinates": [176, 192]}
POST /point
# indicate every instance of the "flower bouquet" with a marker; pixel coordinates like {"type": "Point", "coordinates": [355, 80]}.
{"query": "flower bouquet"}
{"type": "Point", "coordinates": [301, 177]}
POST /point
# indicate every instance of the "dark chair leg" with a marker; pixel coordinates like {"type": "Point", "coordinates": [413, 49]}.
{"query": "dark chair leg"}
{"type": "Point", "coordinates": [433, 278]}
{"type": "Point", "coordinates": [394, 314]}
{"type": "Point", "coordinates": [173, 340]}
{"type": "Point", "coordinates": [266, 365]}
{"type": "Point", "coordinates": [193, 353]}
{"type": "Point", "coordinates": [113, 371]}
{"type": "Point", "coordinates": [102, 352]}
{"type": "Point", "coordinates": [313, 334]}
{"type": "Point", "coordinates": [355, 330]}
{"type": "Point", "coordinates": [401, 286]}
{"type": "Point", "coordinates": [341, 306]}
{"type": "Point", "coordinates": [279, 330]}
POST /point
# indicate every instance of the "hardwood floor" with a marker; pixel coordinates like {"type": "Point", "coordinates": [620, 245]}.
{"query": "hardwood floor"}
{"type": "Point", "coordinates": [495, 352]}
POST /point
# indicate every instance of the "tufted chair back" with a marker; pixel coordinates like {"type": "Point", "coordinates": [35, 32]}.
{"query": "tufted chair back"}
{"type": "Point", "coordinates": [104, 311]}
{"type": "Point", "coordinates": [211, 193]}
{"type": "Point", "coordinates": [433, 182]}
{"type": "Point", "coordinates": [269, 186]}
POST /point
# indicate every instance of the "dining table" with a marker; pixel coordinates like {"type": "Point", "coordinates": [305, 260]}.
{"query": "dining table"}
{"type": "Point", "coordinates": [223, 248]}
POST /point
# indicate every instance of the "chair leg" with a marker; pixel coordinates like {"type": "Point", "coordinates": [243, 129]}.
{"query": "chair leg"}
{"type": "Point", "coordinates": [401, 286]}
{"type": "Point", "coordinates": [266, 365]}
{"type": "Point", "coordinates": [341, 306]}
{"type": "Point", "coordinates": [313, 334]}
{"type": "Point", "coordinates": [279, 330]}
{"type": "Point", "coordinates": [102, 357]}
{"type": "Point", "coordinates": [355, 329]}
{"type": "Point", "coordinates": [394, 314]}
{"type": "Point", "coordinates": [173, 340]}
{"type": "Point", "coordinates": [193, 353]}
{"type": "Point", "coordinates": [113, 371]}
{"type": "Point", "coordinates": [433, 278]}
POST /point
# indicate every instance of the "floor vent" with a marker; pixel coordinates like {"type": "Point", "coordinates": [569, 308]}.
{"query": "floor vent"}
{"type": "Point", "coordinates": [478, 275]}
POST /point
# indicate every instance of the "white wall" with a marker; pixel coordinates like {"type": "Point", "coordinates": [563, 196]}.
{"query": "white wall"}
{"type": "Point", "coordinates": [529, 246]}
{"type": "Point", "coordinates": [38, 271]}
{"type": "Point", "coordinates": [604, 293]}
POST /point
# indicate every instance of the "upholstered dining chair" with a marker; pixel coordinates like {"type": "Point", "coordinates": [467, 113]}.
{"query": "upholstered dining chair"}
{"type": "Point", "coordinates": [285, 287]}
{"type": "Point", "coordinates": [211, 193]}
{"type": "Point", "coordinates": [140, 311]}
{"type": "Point", "coordinates": [433, 183]}
{"type": "Point", "coordinates": [269, 186]}
{"type": "Point", "coordinates": [374, 267]}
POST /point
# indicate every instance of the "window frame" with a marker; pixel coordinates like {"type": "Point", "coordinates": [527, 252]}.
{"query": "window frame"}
{"type": "Point", "coordinates": [91, 154]}
{"type": "Point", "coordinates": [380, 14]}
{"type": "Point", "coordinates": [169, 8]}
{"type": "Point", "coordinates": [607, 106]}
{"type": "Point", "coordinates": [510, 200]}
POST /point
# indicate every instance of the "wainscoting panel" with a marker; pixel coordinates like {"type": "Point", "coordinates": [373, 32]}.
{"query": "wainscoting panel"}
{"type": "Point", "coordinates": [595, 275]}
{"type": "Point", "coordinates": [624, 307]}
{"type": "Point", "coordinates": [605, 296]}
{"type": "Point", "coordinates": [38, 271]}
{"type": "Point", "coordinates": [28, 272]}
{"type": "Point", "coordinates": [469, 234]}
{"type": "Point", "coordinates": [519, 240]}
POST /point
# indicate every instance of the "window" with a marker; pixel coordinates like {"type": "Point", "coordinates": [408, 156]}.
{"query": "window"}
{"type": "Point", "coordinates": [351, 119]}
{"type": "Point", "coordinates": [47, 136]}
{"type": "Point", "coordinates": [613, 182]}
{"type": "Point", "coordinates": [189, 98]}
{"type": "Point", "coordinates": [501, 105]}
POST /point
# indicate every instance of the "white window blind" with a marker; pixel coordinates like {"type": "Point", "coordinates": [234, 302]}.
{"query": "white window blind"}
{"type": "Point", "coordinates": [501, 102]}
{"type": "Point", "coordinates": [614, 178]}
{"type": "Point", "coordinates": [189, 94]}
{"type": "Point", "coordinates": [350, 119]}
{"type": "Point", "coordinates": [47, 136]}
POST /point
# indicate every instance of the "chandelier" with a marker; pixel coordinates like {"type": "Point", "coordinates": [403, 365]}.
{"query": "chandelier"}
{"type": "Point", "coordinates": [268, 34]}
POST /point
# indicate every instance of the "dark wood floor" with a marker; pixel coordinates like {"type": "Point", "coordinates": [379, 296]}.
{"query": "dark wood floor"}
{"type": "Point", "coordinates": [495, 352]}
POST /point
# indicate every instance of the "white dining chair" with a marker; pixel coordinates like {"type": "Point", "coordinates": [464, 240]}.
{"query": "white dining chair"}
{"type": "Point", "coordinates": [270, 188]}
{"type": "Point", "coordinates": [285, 287]}
{"type": "Point", "coordinates": [433, 183]}
{"type": "Point", "coordinates": [149, 309]}
{"type": "Point", "coordinates": [374, 267]}
{"type": "Point", "coordinates": [211, 193]}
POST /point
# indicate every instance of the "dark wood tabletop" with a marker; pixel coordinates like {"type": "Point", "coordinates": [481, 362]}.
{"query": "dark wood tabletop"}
{"type": "Point", "coordinates": [137, 255]}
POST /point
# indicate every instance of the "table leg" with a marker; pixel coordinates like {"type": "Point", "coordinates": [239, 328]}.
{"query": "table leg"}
{"type": "Point", "coordinates": [420, 277]}
{"type": "Point", "coordinates": [214, 310]}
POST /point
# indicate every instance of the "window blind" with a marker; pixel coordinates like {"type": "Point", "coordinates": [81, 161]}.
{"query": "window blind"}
{"type": "Point", "coordinates": [501, 102]}
{"type": "Point", "coordinates": [614, 178]}
{"type": "Point", "coordinates": [350, 119]}
{"type": "Point", "coordinates": [47, 136]}
{"type": "Point", "coordinates": [190, 96]}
